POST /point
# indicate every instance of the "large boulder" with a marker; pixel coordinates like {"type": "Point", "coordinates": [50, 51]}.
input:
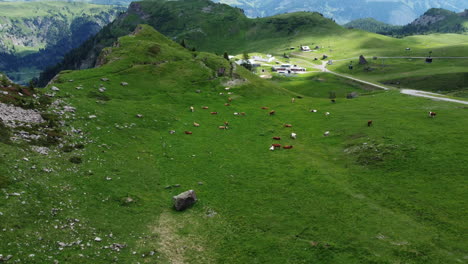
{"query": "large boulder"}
{"type": "Point", "coordinates": [184, 200]}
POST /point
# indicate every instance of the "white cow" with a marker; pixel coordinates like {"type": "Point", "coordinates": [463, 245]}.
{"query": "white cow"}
{"type": "Point", "coordinates": [272, 148]}
{"type": "Point", "coordinates": [293, 135]}
{"type": "Point", "coordinates": [326, 134]}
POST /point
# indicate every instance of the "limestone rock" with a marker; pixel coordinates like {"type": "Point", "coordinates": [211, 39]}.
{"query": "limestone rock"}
{"type": "Point", "coordinates": [184, 200]}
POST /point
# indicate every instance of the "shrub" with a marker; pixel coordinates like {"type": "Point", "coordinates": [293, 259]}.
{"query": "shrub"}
{"type": "Point", "coordinates": [76, 160]}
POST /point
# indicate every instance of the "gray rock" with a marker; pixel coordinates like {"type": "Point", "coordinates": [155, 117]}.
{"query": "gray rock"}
{"type": "Point", "coordinates": [104, 79]}
{"type": "Point", "coordinates": [54, 88]}
{"type": "Point", "coordinates": [352, 95]}
{"type": "Point", "coordinates": [5, 258]}
{"type": "Point", "coordinates": [362, 60]}
{"type": "Point", "coordinates": [184, 200]}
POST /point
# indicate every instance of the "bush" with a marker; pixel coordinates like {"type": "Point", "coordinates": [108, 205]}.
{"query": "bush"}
{"type": "Point", "coordinates": [76, 160]}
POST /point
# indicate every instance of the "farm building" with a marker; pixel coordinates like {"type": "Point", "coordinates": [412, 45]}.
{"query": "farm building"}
{"type": "Point", "coordinates": [305, 48]}
{"type": "Point", "coordinates": [288, 68]}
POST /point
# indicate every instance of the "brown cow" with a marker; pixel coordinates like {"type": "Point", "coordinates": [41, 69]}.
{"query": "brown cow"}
{"type": "Point", "coordinates": [264, 108]}
{"type": "Point", "coordinates": [287, 125]}
{"type": "Point", "coordinates": [229, 99]}
{"type": "Point", "coordinates": [242, 113]}
{"type": "Point", "coordinates": [288, 147]}
{"type": "Point", "coordinates": [276, 145]}
{"type": "Point", "coordinates": [226, 104]}
{"type": "Point", "coordinates": [188, 132]}
{"type": "Point", "coordinates": [276, 138]}
{"type": "Point", "coordinates": [214, 113]}
{"type": "Point", "coordinates": [223, 127]}
{"type": "Point", "coordinates": [204, 107]}
{"type": "Point", "coordinates": [226, 123]}
{"type": "Point", "coordinates": [272, 112]}
{"type": "Point", "coordinates": [369, 123]}
{"type": "Point", "coordinates": [432, 114]}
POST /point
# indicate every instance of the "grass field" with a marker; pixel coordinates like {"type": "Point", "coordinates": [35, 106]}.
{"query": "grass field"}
{"type": "Point", "coordinates": [391, 193]}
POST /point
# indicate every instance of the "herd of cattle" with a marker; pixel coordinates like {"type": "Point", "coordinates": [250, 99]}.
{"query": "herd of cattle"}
{"type": "Point", "coordinates": [271, 113]}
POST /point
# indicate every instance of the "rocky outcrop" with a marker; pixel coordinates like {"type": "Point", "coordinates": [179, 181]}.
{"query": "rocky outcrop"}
{"type": "Point", "coordinates": [11, 116]}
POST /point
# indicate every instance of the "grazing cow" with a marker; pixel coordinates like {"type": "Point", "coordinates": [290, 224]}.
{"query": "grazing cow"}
{"type": "Point", "coordinates": [293, 135]}
{"type": "Point", "coordinates": [226, 123]}
{"type": "Point", "coordinates": [188, 132]}
{"type": "Point", "coordinates": [223, 127]}
{"type": "Point", "coordinates": [192, 109]}
{"type": "Point", "coordinates": [333, 100]}
{"type": "Point", "coordinates": [432, 114]}
{"type": "Point", "coordinates": [236, 114]}
{"type": "Point", "coordinates": [369, 123]}
{"type": "Point", "coordinates": [276, 138]}
{"type": "Point", "coordinates": [272, 112]}
{"type": "Point", "coordinates": [264, 108]}
{"type": "Point", "coordinates": [204, 107]}
{"type": "Point", "coordinates": [276, 145]}
{"type": "Point", "coordinates": [272, 148]}
{"type": "Point", "coordinates": [196, 124]}
{"type": "Point", "coordinates": [326, 134]}
{"type": "Point", "coordinates": [313, 111]}
{"type": "Point", "coordinates": [214, 113]}
{"type": "Point", "coordinates": [242, 113]}
{"type": "Point", "coordinates": [293, 100]}
{"type": "Point", "coordinates": [230, 99]}
{"type": "Point", "coordinates": [327, 113]}
{"type": "Point", "coordinates": [226, 104]}
{"type": "Point", "coordinates": [288, 147]}
{"type": "Point", "coordinates": [172, 132]}
{"type": "Point", "coordinates": [287, 125]}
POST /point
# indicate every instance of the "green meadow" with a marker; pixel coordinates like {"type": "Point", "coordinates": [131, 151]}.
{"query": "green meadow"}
{"type": "Point", "coordinates": [394, 192]}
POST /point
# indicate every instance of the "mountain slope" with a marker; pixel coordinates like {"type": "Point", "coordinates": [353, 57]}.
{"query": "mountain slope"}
{"type": "Point", "coordinates": [103, 192]}
{"type": "Point", "coordinates": [432, 21]}
{"type": "Point", "coordinates": [398, 12]}
{"type": "Point", "coordinates": [437, 21]}
{"type": "Point", "coordinates": [36, 35]}
{"type": "Point", "coordinates": [371, 25]}
{"type": "Point", "coordinates": [203, 25]}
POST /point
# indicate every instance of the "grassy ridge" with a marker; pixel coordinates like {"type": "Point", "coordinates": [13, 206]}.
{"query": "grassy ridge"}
{"type": "Point", "coordinates": [217, 28]}
{"type": "Point", "coordinates": [384, 194]}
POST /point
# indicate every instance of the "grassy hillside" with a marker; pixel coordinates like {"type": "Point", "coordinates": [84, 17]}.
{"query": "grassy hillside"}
{"type": "Point", "coordinates": [211, 27]}
{"type": "Point", "coordinates": [371, 25]}
{"type": "Point", "coordinates": [383, 194]}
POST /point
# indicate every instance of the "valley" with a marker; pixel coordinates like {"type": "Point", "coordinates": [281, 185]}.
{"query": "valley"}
{"type": "Point", "coordinates": [329, 164]}
{"type": "Point", "coordinates": [34, 36]}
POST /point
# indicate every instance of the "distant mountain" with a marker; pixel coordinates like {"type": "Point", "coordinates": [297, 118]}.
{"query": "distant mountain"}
{"type": "Point", "coordinates": [201, 24]}
{"type": "Point", "coordinates": [396, 12]}
{"type": "Point", "coordinates": [435, 20]}
{"type": "Point", "coordinates": [371, 25]}
{"type": "Point", "coordinates": [98, 2]}
{"type": "Point", "coordinates": [35, 35]}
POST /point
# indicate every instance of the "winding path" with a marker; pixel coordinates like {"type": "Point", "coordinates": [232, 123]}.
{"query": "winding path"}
{"type": "Point", "coordinates": [418, 93]}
